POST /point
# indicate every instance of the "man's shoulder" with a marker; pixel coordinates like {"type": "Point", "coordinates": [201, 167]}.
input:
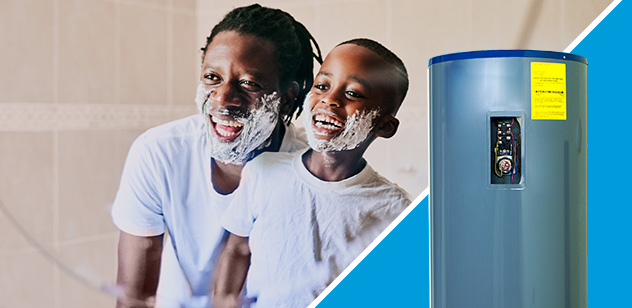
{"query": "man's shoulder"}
{"type": "Point", "coordinates": [191, 127]}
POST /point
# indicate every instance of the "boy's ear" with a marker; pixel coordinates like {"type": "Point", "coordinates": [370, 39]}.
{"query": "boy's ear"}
{"type": "Point", "coordinates": [387, 126]}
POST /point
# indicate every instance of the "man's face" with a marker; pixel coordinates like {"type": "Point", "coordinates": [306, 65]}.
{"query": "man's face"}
{"type": "Point", "coordinates": [238, 95]}
{"type": "Point", "coordinates": [347, 97]}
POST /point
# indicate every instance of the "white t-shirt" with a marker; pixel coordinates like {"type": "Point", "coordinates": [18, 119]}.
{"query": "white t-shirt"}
{"type": "Point", "coordinates": [303, 232]}
{"type": "Point", "coordinates": [166, 183]}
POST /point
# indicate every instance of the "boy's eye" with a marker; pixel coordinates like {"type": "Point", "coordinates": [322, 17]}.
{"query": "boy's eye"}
{"type": "Point", "coordinates": [354, 94]}
{"type": "Point", "coordinates": [321, 87]}
{"type": "Point", "coordinates": [250, 85]}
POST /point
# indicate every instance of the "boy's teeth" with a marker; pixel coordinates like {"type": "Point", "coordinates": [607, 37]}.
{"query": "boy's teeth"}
{"type": "Point", "coordinates": [327, 122]}
{"type": "Point", "coordinates": [327, 126]}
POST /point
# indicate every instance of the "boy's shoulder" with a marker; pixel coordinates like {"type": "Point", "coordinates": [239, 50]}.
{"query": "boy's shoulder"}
{"type": "Point", "coordinates": [382, 187]}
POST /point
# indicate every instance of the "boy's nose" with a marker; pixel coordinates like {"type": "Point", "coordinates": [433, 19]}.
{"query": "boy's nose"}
{"type": "Point", "coordinates": [331, 100]}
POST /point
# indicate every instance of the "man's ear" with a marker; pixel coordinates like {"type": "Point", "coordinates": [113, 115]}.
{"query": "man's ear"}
{"type": "Point", "coordinates": [387, 126]}
{"type": "Point", "coordinates": [289, 96]}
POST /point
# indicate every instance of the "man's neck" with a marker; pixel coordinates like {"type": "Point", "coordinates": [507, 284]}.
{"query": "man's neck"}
{"type": "Point", "coordinates": [275, 140]}
{"type": "Point", "coordinates": [225, 177]}
{"type": "Point", "coordinates": [335, 165]}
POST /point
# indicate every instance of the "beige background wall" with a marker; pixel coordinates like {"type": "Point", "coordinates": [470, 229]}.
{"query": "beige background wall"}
{"type": "Point", "coordinates": [81, 79]}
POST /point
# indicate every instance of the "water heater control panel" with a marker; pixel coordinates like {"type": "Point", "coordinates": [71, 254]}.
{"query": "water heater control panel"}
{"type": "Point", "coordinates": [506, 160]}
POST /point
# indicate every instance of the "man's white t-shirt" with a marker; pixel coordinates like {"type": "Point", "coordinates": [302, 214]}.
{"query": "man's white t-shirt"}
{"type": "Point", "coordinates": [303, 232]}
{"type": "Point", "coordinates": [166, 183]}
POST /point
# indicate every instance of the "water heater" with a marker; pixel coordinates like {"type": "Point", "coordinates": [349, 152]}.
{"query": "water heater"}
{"type": "Point", "coordinates": [508, 179]}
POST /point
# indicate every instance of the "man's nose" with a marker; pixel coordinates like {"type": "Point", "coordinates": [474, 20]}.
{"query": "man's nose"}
{"type": "Point", "coordinates": [225, 95]}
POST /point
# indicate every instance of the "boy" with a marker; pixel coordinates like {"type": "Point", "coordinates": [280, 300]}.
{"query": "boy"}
{"type": "Point", "coordinates": [306, 216]}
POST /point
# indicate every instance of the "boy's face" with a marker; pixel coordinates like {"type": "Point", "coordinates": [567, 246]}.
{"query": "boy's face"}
{"type": "Point", "coordinates": [352, 90]}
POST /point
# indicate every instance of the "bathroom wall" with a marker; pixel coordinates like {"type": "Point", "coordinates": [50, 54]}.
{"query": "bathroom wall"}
{"type": "Point", "coordinates": [81, 79]}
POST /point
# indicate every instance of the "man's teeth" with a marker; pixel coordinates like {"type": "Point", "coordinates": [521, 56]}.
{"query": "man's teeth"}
{"type": "Point", "coordinates": [227, 122]}
{"type": "Point", "coordinates": [220, 124]}
{"type": "Point", "coordinates": [225, 133]}
{"type": "Point", "coordinates": [326, 122]}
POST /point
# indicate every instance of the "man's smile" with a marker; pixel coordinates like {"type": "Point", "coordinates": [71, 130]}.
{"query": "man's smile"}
{"type": "Point", "coordinates": [226, 130]}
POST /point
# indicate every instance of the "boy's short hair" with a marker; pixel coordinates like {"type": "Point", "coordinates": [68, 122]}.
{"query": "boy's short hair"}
{"type": "Point", "coordinates": [399, 71]}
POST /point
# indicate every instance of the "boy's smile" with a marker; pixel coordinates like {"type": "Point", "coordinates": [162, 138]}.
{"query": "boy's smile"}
{"type": "Point", "coordinates": [327, 123]}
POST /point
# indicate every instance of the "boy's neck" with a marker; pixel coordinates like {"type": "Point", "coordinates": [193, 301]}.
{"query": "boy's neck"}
{"type": "Point", "coordinates": [334, 166]}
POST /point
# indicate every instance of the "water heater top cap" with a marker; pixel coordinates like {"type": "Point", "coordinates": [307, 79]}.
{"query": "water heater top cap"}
{"type": "Point", "coordinates": [506, 53]}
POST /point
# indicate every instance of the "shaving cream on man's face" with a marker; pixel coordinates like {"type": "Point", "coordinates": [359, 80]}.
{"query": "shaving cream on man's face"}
{"type": "Point", "coordinates": [233, 135]}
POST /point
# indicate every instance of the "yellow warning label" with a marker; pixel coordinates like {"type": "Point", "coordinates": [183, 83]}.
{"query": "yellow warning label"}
{"type": "Point", "coordinates": [548, 91]}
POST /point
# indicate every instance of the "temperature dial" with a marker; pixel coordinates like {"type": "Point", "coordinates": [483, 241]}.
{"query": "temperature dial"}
{"type": "Point", "coordinates": [504, 165]}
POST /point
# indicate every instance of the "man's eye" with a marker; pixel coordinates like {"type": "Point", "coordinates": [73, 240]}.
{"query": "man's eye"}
{"type": "Point", "coordinates": [211, 78]}
{"type": "Point", "coordinates": [354, 94]}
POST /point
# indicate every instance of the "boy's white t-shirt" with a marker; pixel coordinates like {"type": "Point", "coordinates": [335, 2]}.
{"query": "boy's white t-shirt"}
{"type": "Point", "coordinates": [303, 232]}
{"type": "Point", "coordinates": [166, 184]}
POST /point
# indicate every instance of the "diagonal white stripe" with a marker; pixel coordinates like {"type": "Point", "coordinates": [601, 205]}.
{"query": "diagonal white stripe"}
{"type": "Point", "coordinates": [370, 248]}
{"type": "Point", "coordinates": [592, 25]}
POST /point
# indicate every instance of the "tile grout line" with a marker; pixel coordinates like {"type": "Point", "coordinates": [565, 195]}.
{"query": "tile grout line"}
{"type": "Point", "coordinates": [117, 53]}
{"type": "Point", "coordinates": [563, 17]}
{"type": "Point", "coordinates": [87, 239]}
{"type": "Point", "coordinates": [389, 22]}
{"type": "Point", "coordinates": [56, 272]}
{"type": "Point", "coordinates": [19, 251]}
{"type": "Point", "coordinates": [318, 28]}
{"type": "Point", "coordinates": [389, 40]}
{"type": "Point", "coordinates": [170, 98]}
{"type": "Point", "coordinates": [55, 154]}
{"type": "Point", "coordinates": [56, 189]}
{"type": "Point", "coordinates": [155, 7]}
{"type": "Point", "coordinates": [77, 116]}
{"type": "Point", "coordinates": [55, 36]}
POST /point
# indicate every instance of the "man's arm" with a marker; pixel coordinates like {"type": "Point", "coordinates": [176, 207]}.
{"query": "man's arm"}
{"type": "Point", "coordinates": [138, 269]}
{"type": "Point", "coordinates": [230, 272]}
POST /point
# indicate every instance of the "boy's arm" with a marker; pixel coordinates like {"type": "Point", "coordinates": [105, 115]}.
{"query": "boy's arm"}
{"type": "Point", "coordinates": [138, 269]}
{"type": "Point", "coordinates": [230, 272]}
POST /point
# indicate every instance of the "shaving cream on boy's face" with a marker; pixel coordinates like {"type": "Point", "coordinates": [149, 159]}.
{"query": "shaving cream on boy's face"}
{"type": "Point", "coordinates": [327, 132]}
{"type": "Point", "coordinates": [233, 134]}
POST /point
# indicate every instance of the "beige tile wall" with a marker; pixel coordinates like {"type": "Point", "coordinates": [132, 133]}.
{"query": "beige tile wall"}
{"type": "Point", "coordinates": [81, 79]}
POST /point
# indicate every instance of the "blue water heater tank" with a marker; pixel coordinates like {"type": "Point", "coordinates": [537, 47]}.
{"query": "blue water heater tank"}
{"type": "Point", "coordinates": [508, 179]}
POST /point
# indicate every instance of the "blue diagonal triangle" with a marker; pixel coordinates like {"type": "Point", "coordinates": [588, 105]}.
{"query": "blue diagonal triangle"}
{"type": "Point", "coordinates": [609, 110]}
{"type": "Point", "coordinates": [395, 273]}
